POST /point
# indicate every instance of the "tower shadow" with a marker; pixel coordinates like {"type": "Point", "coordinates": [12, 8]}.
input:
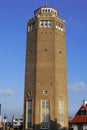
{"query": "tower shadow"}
{"type": "Point", "coordinates": [52, 126]}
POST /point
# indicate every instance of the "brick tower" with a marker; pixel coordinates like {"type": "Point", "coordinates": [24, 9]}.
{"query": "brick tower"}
{"type": "Point", "coordinates": [45, 95]}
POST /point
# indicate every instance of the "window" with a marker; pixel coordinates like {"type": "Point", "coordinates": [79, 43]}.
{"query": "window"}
{"type": "Point", "coordinates": [61, 105]}
{"type": "Point", "coordinates": [30, 105]}
{"type": "Point", "coordinates": [50, 23]}
{"type": "Point", "coordinates": [47, 104]}
{"type": "Point", "coordinates": [43, 104]}
{"type": "Point", "coordinates": [45, 92]}
{"type": "Point", "coordinates": [41, 23]}
{"type": "Point", "coordinates": [45, 114]}
{"type": "Point", "coordinates": [29, 114]}
{"type": "Point", "coordinates": [45, 23]}
{"type": "Point", "coordinates": [29, 28]}
{"type": "Point", "coordinates": [43, 10]}
{"type": "Point", "coordinates": [83, 111]}
{"type": "Point", "coordinates": [61, 113]}
{"type": "Point", "coordinates": [59, 26]}
{"type": "Point", "coordinates": [61, 117]}
{"type": "Point", "coordinates": [32, 26]}
{"type": "Point", "coordinates": [80, 126]}
{"type": "Point", "coordinates": [48, 10]}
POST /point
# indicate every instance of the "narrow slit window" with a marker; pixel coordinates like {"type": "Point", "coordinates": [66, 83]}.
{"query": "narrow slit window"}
{"type": "Point", "coordinates": [29, 114]}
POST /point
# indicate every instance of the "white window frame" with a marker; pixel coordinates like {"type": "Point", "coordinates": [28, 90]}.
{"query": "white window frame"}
{"type": "Point", "coordinates": [61, 105]}
{"type": "Point", "coordinates": [45, 114]}
{"type": "Point", "coordinates": [59, 26]}
{"type": "Point", "coordinates": [61, 112]}
{"type": "Point", "coordinates": [50, 23]}
{"type": "Point", "coordinates": [45, 23]}
{"type": "Point", "coordinates": [41, 23]}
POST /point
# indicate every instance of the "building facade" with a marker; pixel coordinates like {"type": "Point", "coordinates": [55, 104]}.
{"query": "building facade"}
{"type": "Point", "coordinates": [45, 95]}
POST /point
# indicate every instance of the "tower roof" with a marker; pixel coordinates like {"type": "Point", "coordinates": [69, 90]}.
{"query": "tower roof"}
{"type": "Point", "coordinates": [46, 10]}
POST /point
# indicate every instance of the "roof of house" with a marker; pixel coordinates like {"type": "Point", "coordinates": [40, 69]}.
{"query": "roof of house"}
{"type": "Point", "coordinates": [80, 118]}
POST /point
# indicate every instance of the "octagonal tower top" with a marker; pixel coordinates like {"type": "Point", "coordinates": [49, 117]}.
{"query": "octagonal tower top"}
{"type": "Point", "coordinates": [46, 11]}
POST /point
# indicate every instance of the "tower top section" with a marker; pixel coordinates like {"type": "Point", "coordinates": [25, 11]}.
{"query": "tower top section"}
{"type": "Point", "coordinates": [46, 11]}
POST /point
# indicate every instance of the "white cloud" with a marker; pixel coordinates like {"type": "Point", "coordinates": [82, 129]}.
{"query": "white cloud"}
{"type": "Point", "coordinates": [79, 86]}
{"type": "Point", "coordinates": [6, 92]}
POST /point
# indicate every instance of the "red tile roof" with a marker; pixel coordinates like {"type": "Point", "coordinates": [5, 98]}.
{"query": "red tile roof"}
{"type": "Point", "coordinates": [78, 118]}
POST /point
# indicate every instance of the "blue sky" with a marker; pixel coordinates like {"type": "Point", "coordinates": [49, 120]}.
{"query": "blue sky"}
{"type": "Point", "coordinates": [14, 15]}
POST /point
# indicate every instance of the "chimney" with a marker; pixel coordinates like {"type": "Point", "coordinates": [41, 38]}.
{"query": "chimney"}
{"type": "Point", "coordinates": [84, 102]}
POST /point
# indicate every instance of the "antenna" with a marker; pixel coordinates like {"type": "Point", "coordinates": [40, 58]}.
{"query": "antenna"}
{"type": "Point", "coordinates": [45, 5]}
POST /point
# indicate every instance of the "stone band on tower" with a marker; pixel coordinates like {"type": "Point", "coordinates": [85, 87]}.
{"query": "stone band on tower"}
{"type": "Point", "coordinates": [45, 95]}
